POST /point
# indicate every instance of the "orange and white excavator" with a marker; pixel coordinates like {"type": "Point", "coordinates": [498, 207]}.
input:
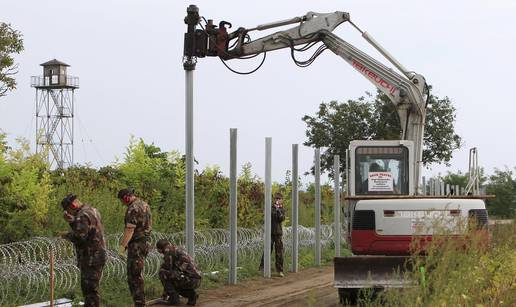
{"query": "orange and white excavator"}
{"type": "Point", "coordinates": [385, 208]}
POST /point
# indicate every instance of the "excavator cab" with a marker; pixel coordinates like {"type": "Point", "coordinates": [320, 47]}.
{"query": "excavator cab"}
{"type": "Point", "coordinates": [381, 167]}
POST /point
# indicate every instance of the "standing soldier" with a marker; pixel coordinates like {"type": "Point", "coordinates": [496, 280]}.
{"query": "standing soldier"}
{"type": "Point", "coordinates": [277, 217]}
{"type": "Point", "coordinates": [178, 274]}
{"type": "Point", "coordinates": [87, 236]}
{"type": "Point", "coordinates": [138, 225]}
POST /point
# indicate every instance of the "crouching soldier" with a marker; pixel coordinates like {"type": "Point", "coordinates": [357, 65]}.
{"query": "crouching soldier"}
{"type": "Point", "coordinates": [178, 274]}
{"type": "Point", "coordinates": [87, 236]}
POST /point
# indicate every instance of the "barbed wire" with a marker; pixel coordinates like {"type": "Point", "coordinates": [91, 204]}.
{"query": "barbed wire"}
{"type": "Point", "coordinates": [25, 265]}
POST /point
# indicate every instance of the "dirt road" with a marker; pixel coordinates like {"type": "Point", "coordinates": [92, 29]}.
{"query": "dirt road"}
{"type": "Point", "coordinates": [309, 287]}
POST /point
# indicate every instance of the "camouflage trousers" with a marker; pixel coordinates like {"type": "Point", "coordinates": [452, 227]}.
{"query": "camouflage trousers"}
{"type": "Point", "coordinates": [176, 283]}
{"type": "Point", "coordinates": [90, 278]}
{"type": "Point", "coordinates": [136, 253]}
{"type": "Point", "coordinates": [277, 245]}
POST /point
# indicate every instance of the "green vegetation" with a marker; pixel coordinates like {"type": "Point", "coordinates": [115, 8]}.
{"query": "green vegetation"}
{"type": "Point", "coordinates": [502, 184]}
{"type": "Point", "coordinates": [11, 43]}
{"type": "Point", "coordinates": [30, 193]}
{"type": "Point", "coordinates": [460, 272]}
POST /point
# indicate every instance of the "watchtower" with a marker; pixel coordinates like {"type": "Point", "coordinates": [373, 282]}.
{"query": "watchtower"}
{"type": "Point", "coordinates": [54, 113]}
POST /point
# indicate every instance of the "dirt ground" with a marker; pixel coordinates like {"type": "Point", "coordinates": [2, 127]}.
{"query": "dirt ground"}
{"type": "Point", "coordinates": [309, 287]}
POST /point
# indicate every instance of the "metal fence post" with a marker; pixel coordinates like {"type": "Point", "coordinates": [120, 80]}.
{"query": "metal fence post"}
{"type": "Point", "coordinates": [336, 192]}
{"type": "Point", "coordinates": [317, 207]}
{"type": "Point", "coordinates": [233, 206]}
{"type": "Point", "coordinates": [295, 207]}
{"type": "Point", "coordinates": [267, 209]}
{"type": "Point", "coordinates": [189, 191]}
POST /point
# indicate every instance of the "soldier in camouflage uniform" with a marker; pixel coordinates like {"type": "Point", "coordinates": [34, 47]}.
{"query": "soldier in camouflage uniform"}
{"type": "Point", "coordinates": [87, 236]}
{"type": "Point", "coordinates": [178, 274]}
{"type": "Point", "coordinates": [277, 217]}
{"type": "Point", "coordinates": [138, 226]}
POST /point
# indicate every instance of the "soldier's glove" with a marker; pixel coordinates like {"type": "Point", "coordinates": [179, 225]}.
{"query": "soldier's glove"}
{"type": "Point", "coordinates": [121, 251]}
{"type": "Point", "coordinates": [68, 217]}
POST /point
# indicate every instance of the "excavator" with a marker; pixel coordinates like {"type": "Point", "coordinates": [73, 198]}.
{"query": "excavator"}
{"type": "Point", "coordinates": [385, 210]}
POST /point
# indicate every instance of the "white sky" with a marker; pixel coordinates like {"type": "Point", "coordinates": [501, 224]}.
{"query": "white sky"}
{"type": "Point", "coordinates": [128, 55]}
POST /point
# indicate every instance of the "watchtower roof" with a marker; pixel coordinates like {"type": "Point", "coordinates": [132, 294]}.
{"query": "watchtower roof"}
{"type": "Point", "coordinates": [54, 62]}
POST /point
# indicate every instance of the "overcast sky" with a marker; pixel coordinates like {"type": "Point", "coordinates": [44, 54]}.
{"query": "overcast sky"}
{"type": "Point", "coordinates": [128, 55]}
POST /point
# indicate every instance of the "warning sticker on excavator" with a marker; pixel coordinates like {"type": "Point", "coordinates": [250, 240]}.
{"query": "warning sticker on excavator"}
{"type": "Point", "coordinates": [380, 182]}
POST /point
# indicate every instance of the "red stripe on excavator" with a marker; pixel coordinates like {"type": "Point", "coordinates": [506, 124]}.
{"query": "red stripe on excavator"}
{"type": "Point", "coordinates": [368, 242]}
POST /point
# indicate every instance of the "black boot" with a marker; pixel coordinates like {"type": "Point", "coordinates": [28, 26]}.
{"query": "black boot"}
{"type": "Point", "coordinates": [192, 299]}
{"type": "Point", "coordinates": [191, 295]}
{"type": "Point", "coordinates": [174, 300]}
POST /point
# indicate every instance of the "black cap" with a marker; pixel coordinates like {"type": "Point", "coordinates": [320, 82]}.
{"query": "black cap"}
{"type": "Point", "coordinates": [278, 196]}
{"type": "Point", "coordinates": [124, 192]}
{"type": "Point", "coordinates": [68, 200]}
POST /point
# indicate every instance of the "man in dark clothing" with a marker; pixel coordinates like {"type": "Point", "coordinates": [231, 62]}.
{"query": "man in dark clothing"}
{"type": "Point", "coordinates": [178, 274]}
{"type": "Point", "coordinates": [277, 217]}
{"type": "Point", "coordinates": [138, 226]}
{"type": "Point", "coordinates": [87, 236]}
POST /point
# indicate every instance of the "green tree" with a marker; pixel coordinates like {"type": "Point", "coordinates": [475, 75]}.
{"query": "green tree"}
{"type": "Point", "coordinates": [461, 179]}
{"type": "Point", "coordinates": [25, 192]}
{"type": "Point", "coordinates": [440, 139]}
{"type": "Point", "coordinates": [250, 198]}
{"type": "Point", "coordinates": [502, 184]}
{"type": "Point", "coordinates": [335, 125]}
{"type": "Point", "coordinates": [158, 177]}
{"type": "Point", "coordinates": [11, 42]}
{"type": "Point", "coordinates": [375, 118]}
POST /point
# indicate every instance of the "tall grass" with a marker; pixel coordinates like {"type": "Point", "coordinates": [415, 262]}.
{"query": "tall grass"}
{"type": "Point", "coordinates": [460, 272]}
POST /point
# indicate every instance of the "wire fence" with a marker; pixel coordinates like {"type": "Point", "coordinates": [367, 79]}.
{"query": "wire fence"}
{"type": "Point", "coordinates": [25, 265]}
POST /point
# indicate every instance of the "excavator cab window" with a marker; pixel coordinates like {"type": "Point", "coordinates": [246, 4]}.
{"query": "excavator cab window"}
{"type": "Point", "coordinates": [381, 170]}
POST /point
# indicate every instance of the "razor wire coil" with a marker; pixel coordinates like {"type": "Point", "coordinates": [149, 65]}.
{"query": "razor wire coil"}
{"type": "Point", "coordinates": [25, 265]}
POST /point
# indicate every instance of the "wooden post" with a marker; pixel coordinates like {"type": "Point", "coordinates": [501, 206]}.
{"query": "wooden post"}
{"type": "Point", "coordinates": [51, 278]}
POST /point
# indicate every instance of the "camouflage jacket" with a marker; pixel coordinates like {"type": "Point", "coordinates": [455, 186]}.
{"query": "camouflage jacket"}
{"type": "Point", "coordinates": [87, 235]}
{"type": "Point", "coordinates": [178, 261]}
{"type": "Point", "coordinates": [138, 216]}
{"type": "Point", "coordinates": [277, 217]}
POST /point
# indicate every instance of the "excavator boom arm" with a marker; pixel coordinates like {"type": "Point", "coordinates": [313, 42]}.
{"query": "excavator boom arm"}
{"type": "Point", "coordinates": [406, 90]}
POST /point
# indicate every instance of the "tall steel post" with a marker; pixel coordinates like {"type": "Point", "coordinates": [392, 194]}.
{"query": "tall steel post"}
{"type": "Point", "coordinates": [267, 209]}
{"type": "Point", "coordinates": [336, 192]}
{"type": "Point", "coordinates": [317, 207]}
{"type": "Point", "coordinates": [189, 61]}
{"type": "Point", "coordinates": [189, 194]}
{"type": "Point", "coordinates": [233, 206]}
{"type": "Point", "coordinates": [295, 207]}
